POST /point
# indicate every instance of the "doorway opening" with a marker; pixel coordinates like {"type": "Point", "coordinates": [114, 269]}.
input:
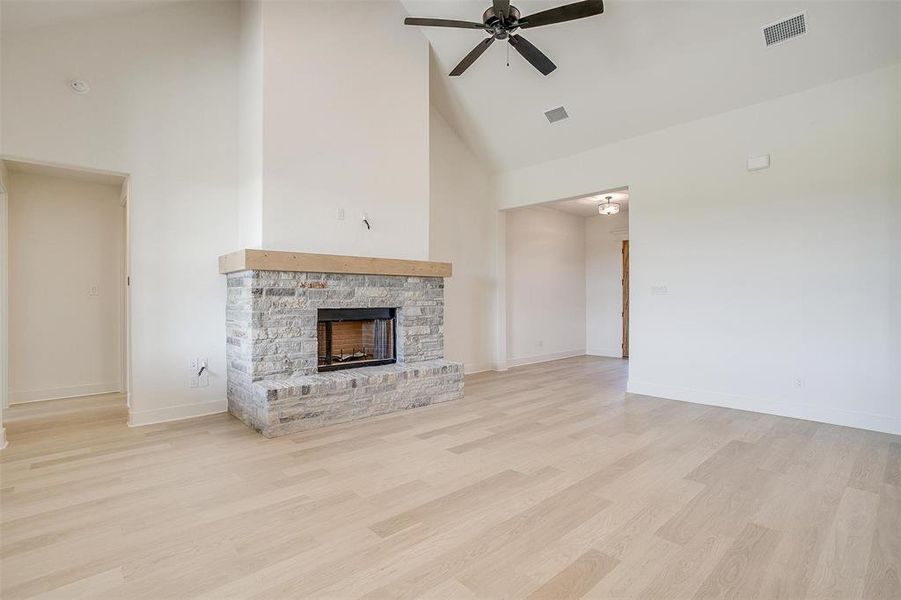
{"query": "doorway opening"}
{"type": "Point", "coordinates": [625, 312]}
{"type": "Point", "coordinates": [565, 278]}
{"type": "Point", "coordinates": [65, 295]}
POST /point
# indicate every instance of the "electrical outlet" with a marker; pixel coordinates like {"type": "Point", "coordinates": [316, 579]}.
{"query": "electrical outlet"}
{"type": "Point", "coordinates": [203, 379]}
{"type": "Point", "coordinates": [93, 290]}
{"type": "Point", "coordinates": [199, 375]}
{"type": "Point", "coordinates": [659, 290]}
{"type": "Point", "coordinates": [541, 343]}
{"type": "Point", "coordinates": [339, 214]}
{"type": "Point", "coordinates": [799, 382]}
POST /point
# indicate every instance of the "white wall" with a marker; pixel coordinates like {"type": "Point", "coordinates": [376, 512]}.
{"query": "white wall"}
{"type": "Point", "coordinates": [65, 236]}
{"type": "Point", "coordinates": [545, 281]}
{"type": "Point", "coordinates": [4, 303]}
{"type": "Point", "coordinates": [163, 107]}
{"type": "Point", "coordinates": [777, 275]}
{"type": "Point", "coordinates": [250, 126]}
{"type": "Point", "coordinates": [757, 297]}
{"type": "Point", "coordinates": [235, 133]}
{"type": "Point", "coordinates": [604, 237]}
{"type": "Point", "coordinates": [345, 125]}
{"type": "Point", "coordinates": [462, 231]}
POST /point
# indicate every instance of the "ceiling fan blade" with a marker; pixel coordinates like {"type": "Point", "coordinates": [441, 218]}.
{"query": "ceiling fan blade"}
{"type": "Point", "coordinates": [502, 9]}
{"type": "Point", "coordinates": [532, 54]}
{"type": "Point", "coordinates": [570, 12]}
{"type": "Point", "coordinates": [472, 56]}
{"type": "Point", "coordinates": [443, 23]}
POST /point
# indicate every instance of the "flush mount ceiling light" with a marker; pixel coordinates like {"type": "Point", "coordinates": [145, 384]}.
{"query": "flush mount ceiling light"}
{"type": "Point", "coordinates": [607, 207]}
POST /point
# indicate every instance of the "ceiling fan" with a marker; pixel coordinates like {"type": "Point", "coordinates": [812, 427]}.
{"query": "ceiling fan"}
{"type": "Point", "coordinates": [501, 20]}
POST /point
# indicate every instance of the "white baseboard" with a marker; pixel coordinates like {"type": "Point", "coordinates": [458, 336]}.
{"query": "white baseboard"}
{"type": "Point", "coordinates": [3, 441]}
{"type": "Point", "coordinates": [820, 414]}
{"type": "Point", "coordinates": [176, 413]}
{"type": "Point", "coordinates": [540, 358]}
{"type": "Point", "coordinates": [472, 369]}
{"type": "Point", "coordinates": [607, 353]}
{"type": "Point", "coordinates": [23, 396]}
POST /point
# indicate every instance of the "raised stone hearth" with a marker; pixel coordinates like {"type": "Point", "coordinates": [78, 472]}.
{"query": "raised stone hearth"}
{"type": "Point", "coordinates": [274, 381]}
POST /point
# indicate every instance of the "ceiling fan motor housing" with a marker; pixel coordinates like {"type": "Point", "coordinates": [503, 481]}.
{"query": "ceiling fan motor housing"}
{"type": "Point", "coordinates": [501, 30]}
{"type": "Point", "coordinates": [489, 18]}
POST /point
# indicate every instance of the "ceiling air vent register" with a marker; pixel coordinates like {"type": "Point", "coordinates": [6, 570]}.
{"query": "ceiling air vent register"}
{"type": "Point", "coordinates": [556, 114]}
{"type": "Point", "coordinates": [786, 29]}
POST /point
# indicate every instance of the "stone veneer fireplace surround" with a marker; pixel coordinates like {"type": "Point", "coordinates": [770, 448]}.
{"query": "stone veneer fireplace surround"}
{"type": "Point", "coordinates": [274, 381]}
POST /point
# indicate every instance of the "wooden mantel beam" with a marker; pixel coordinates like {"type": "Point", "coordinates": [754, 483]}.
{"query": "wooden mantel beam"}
{"type": "Point", "coordinates": [274, 260]}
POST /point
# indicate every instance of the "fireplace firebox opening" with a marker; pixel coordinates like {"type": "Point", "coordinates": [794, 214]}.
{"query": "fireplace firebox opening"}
{"type": "Point", "coordinates": [355, 337]}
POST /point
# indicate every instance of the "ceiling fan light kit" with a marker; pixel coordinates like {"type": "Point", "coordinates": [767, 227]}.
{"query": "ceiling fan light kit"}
{"type": "Point", "coordinates": [500, 21]}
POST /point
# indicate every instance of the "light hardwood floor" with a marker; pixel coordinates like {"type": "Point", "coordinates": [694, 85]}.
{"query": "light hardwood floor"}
{"type": "Point", "coordinates": [544, 482]}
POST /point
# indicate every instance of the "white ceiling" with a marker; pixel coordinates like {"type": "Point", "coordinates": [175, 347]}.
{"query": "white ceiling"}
{"type": "Point", "coordinates": [91, 176]}
{"type": "Point", "coordinates": [640, 67]}
{"type": "Point", "coordinates": [587, 206]}
{"type": "Point", "coordinates": [18, 15]}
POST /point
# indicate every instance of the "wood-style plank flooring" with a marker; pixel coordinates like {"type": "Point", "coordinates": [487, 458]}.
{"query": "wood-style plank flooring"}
{"type": "Point", "coordinates": [546, 481]}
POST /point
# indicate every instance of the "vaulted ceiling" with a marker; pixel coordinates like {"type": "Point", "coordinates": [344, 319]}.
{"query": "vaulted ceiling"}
{"type": "Point", "coordinates": [640, 67]}
{"type": "Point", "coordinates": [19, 15]}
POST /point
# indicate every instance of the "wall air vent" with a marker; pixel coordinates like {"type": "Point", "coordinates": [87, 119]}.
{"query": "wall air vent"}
{"type": "Point", "coordinates": [556, 114]}
{"type": "Point", "coordinates": [786, 29]}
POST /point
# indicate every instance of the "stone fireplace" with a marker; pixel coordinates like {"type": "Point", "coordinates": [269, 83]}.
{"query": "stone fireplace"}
{"type": "Point", "coordinates": [319, 339]}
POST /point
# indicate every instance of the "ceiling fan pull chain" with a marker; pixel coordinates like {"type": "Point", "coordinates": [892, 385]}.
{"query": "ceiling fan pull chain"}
{"type": "Point", "coordinates": [508, 56]}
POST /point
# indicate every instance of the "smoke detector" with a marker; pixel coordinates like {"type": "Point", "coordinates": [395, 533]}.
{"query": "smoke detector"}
{"type": "Point", "coordinates": [79, 86]}
{"type": "Point", "coordinates": [786, 29]}
{"type": "Point", "coordinates": [556, 114]}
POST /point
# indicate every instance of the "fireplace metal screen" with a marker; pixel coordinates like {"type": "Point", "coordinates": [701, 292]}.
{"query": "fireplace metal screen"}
{"type": "Point", "coordinates": [355, 337]}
